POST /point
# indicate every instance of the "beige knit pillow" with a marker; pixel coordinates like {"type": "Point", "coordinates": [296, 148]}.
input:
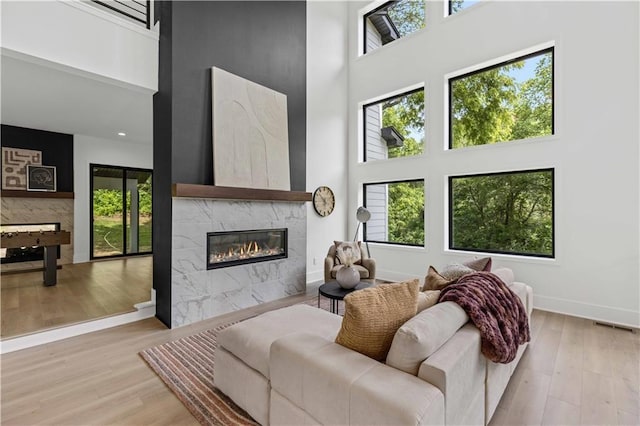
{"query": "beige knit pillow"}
{"type": "Point", "coordinates": [373, 315]}
{"type": "Point", "coordinates": [427, 299]}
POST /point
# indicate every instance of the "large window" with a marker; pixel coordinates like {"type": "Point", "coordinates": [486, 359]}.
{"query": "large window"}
{"type": "Point", "coordinates": [120, 211]}
{"type": "Point", "coordinates": [503, 213]}
{"type": "Point", "coordinates": [509, 101]}
{"type": "Point", "coordinates": [397, 212]}
{"type": "Point", "coordinates": [394, 127]}
{"type": "Point", "coordinates": [391, 21]}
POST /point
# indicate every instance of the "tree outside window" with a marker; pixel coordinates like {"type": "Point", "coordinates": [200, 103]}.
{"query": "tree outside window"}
{"type": "Point", "coordinates": [503, 213]}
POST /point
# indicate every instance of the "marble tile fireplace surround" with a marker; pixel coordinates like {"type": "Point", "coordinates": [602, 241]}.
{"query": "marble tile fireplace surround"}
{"type": "Point", "coordinates": [198, 293]}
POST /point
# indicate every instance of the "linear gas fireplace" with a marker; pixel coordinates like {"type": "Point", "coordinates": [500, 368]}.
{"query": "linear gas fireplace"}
{"type": "Point", "coordinates": [231, 248]}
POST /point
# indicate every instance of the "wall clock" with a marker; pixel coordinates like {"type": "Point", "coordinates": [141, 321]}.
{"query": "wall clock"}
{"type": "Point", "coordinates": [323, 201]}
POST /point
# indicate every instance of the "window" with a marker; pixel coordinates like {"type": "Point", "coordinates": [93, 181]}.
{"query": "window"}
{"type": "Point", "coordinates": [509, 101]}
{"type": "Point", "coordinates": [458, 5]}
{"type": "Point", "coordinates": [394, 127]}
{"type": "Point", "coordinates": [391, 21]}
{"type": "Point", "coordinates": [120, 211]}
{"type": "Point", "coordinates": [503, 213]}
{"type": "Point", "coordinates": [397, 212]}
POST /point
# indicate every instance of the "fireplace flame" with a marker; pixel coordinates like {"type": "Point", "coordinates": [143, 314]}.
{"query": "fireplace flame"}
{"type": "Point", "coordinates": [247, 250]}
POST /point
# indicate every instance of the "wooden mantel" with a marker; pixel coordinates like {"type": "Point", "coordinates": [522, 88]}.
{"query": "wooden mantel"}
{"type": "Point", "coordinates": [188, 190]}
{"type": "Point", "coordinates": [12, 193]}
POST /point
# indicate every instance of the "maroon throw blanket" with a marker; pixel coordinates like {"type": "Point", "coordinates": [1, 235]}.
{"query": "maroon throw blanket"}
{"type": "Point", "coordinates": [495, 310]}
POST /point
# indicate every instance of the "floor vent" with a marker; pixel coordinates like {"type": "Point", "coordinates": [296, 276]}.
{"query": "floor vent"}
{"type": "Point", "coordinates": [620, 327]}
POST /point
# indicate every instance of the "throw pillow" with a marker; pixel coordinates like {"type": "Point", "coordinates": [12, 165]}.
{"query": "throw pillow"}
{"type": "Point", "coordinates": [453, 271]}
{"type": "Point", "coordinates": [481, 264]}
{"type": "Point", "coordinates": [348, 253]}
{"type": "Point", "coordinates": [373, 315]}
{"type": "Point", "coordinates": [427, 299]}
{"type": "Point", "coordinates": [435, 281]}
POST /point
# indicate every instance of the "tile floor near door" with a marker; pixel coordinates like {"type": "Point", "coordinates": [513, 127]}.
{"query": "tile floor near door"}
{"type": "Point", "coordinates": [85, 291]}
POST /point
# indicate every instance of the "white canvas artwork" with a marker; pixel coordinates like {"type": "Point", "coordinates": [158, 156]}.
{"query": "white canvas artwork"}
{"type": "Point", "coordinates": [250, 134]}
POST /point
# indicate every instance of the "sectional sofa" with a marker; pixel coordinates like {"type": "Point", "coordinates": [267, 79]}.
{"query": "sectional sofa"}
{"type": "Point", "coordinates": [283, 367]}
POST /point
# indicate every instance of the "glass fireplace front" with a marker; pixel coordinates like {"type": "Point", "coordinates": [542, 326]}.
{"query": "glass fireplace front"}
{"type": "Point", "coordinates": [231, 248]}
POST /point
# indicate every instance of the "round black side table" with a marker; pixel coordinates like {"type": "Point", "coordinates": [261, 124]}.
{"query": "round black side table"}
{"type": "Point", "coordinates": [332, 291]}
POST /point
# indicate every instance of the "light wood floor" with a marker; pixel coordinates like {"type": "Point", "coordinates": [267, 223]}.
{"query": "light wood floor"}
{"type": "Point", "coordinates": [85, 291]}
{"type": "Point", "coordinates": [573, 373]}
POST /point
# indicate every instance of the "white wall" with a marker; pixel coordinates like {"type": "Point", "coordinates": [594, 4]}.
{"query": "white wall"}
{"type": "Point", "coordinates": [594, 151]}
{"type": "Point", "coordinates": [90, 150]}
{"type": "Point", "coordinates": [326, 127]}
{"type": "Point", "coordinates": [80, 36]}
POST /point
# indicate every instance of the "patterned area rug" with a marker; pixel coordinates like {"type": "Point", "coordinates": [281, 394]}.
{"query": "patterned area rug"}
{"type": "Point", "coordinates": [186, 367]}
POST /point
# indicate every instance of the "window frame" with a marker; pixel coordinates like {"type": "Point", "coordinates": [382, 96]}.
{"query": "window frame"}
{"type": "Point", "coordinates": [364, 203]}
{"type": "Point", "coordinates": [380, 101]}
{"type": "Point", "coordinates": [509, 253]}
{"type": "Point", "coordinates": [366, 16]}
{"type": "Point", "coordinates": [450, 81]}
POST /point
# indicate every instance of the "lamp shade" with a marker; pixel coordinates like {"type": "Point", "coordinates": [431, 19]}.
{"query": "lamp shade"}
{"type": "Point", "coordinates": [363, 214]}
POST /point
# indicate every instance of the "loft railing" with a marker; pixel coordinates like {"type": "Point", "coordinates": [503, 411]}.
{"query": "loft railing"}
{"type": "Point", "coordinates": [135, 10]}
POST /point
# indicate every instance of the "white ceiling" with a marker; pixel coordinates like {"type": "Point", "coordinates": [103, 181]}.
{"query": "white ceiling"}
{"type": "Point", "coordinates": [45, 97]}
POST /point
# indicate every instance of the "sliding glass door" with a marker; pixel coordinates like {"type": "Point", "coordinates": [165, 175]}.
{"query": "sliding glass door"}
{"type": "Point", "coordinates": [121, 216]}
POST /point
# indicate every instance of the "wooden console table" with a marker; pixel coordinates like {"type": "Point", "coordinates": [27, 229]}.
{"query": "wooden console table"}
{"type": "Point", "coordinates": [47, 239]}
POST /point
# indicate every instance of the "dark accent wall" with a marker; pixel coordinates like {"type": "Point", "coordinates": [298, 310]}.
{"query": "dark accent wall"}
{"type": "Point", "coordinates": [262, 41]}
{"type": "Point", "coordinates": [57, 150]}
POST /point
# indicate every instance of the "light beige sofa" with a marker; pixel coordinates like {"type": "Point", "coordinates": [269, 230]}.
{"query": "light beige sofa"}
{"type": "Point", "coordinates": [283, 367]}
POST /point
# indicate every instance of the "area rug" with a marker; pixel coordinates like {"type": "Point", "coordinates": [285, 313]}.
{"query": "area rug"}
{"type": "Point", "coordinates": [186, 367]}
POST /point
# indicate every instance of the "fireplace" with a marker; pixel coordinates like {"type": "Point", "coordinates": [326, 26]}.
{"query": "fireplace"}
{"type": "Point", "coordinates": [26, 254]}
{"type": "Point", "coordinates": [231, 248]}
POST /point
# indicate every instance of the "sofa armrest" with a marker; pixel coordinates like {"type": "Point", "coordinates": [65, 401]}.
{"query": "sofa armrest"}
{"type": "Point", "coordinates": [336, 385]}
{"type": "Point", "coordinates": [329, 263]}
{"type": "Point", "coordinates": [458, 369]}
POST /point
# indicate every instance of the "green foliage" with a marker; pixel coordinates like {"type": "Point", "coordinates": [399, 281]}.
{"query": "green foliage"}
{"type": "Point", "coordinates": [479, 107]}
{"type": "Point", "coordinates": [506, 212]}
{"type": "Point", "coordinates": [407, 16]}
{"type": "Point", "coordinates": [491, 106]}
{"type": "Point", "coordinates": [406, 114]}
{"type": "Point", "coordinates": [406, 212]}
{"type": "Point", "coordinates": [456, 5]}
{"type": "Point", "coordinates": [108, 202]}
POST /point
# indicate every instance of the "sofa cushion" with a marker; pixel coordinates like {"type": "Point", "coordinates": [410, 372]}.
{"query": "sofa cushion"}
{"type": "Point", "coordinates": [251, 340]}
{"type": "Point", "coordinates": [423, 334]}
{"type": "Point", "coordinates": [427, 299]}
{"type": "Point", "coordinates": [435, 281]}
{"type": "Point", "coordinates": [481, 264]}
{"type": "Point", "coordinates": [453, 271]}
{"type": "Point", "coordinates": [373, 315]}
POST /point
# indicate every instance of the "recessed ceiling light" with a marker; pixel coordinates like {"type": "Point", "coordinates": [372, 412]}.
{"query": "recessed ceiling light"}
{"type": "Point", "coordinates": [122, 134]}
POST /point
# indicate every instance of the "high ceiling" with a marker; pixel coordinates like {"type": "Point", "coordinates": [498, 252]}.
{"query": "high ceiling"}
{"type": "Point", "coordinates": [49, 97]}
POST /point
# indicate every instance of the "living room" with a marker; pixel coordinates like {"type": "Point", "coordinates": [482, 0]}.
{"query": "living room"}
{"type": "Point", "coordinates": [593, 150]}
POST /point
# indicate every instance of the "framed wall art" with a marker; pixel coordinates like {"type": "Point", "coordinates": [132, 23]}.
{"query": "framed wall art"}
{"type": "Point", "coordinates": [41, 178]}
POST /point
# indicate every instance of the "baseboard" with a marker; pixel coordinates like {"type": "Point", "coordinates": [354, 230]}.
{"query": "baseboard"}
{"type": "Point", "coordinates": [608, 314]}
{"type": "Point", "coordinates": [315, 276]}
{"type": "Point", "coordinates": [40, 338]}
